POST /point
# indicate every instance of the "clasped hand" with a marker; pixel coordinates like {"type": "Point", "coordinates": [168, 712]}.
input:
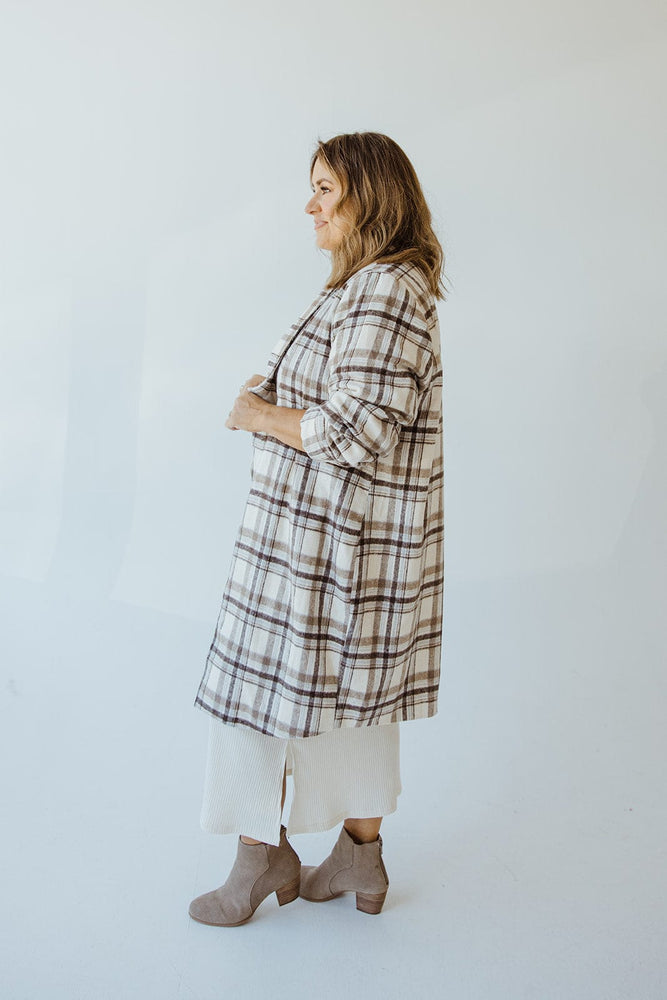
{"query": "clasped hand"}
{"type": "Point", "coordinates": [248, 408]}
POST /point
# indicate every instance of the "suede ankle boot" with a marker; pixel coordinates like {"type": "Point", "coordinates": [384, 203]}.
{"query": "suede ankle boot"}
{"type": "Point", "coordinates": [259, 870]}
{"type": "Point", "coordinates": [350, 867]}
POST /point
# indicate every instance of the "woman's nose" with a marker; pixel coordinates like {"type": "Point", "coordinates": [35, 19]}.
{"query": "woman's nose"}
{"type": "Point", "coordinates": [312, 205]}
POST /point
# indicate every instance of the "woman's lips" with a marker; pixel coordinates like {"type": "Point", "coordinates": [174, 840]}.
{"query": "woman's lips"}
{"type": "Point", "coordinates": [318, 225]}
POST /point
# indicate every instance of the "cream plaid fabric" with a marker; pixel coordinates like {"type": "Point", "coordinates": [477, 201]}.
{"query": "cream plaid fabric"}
{"type": "Point", "coordinates": [332, 611]}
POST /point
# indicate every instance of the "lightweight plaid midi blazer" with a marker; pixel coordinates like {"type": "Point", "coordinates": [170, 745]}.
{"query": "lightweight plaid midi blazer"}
{"type": "Point", "coordinates": [332, 611]}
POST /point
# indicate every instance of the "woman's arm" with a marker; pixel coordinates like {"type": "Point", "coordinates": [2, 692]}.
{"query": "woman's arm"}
{"type": "Point", "coordinates": [284, 423]}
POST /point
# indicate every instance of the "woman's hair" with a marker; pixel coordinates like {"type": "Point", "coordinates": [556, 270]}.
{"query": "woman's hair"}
{"type": "Point", "coordinates": [383, 199]}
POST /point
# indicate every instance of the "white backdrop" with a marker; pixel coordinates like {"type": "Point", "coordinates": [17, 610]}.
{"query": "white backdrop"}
{"type": "Point", "coordinates": [154, 247]}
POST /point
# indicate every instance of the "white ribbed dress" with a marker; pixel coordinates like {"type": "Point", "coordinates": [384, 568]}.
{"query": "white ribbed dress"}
{"type": "Point", "coordinates": [349, 772]}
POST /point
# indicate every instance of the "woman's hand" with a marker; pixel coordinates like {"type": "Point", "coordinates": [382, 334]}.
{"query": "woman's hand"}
{"type": "Point", "coordinates": [248, 409]}
{"type": "Point", "coordinates": [252, 413]}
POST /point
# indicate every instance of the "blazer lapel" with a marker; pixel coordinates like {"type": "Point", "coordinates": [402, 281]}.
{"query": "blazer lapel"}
{"type": "Point", "coordinates": [264, 389]}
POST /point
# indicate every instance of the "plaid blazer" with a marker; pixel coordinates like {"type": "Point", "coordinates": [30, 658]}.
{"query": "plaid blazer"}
{"type": "Point", "coordinates": [332, 611]}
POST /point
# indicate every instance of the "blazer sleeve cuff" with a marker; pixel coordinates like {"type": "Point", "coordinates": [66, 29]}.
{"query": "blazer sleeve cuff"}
{"type": "Point", "coordinates": [314, 434]}
{"type": "Point", "coordinates": [325, 441]}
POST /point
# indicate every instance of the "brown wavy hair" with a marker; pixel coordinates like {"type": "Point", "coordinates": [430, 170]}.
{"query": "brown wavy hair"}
{"type": "Point", "coordinates": [383, 199]}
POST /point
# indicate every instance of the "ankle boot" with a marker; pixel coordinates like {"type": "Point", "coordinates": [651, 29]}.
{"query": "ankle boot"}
{"type": "Point", "coordinates": [349, 867]}
{"type": "Point", "coordinates": [259, 870]}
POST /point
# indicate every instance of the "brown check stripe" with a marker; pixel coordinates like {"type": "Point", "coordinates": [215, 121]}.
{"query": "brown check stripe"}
{"type": "Point", "coordinates": [332, 611]}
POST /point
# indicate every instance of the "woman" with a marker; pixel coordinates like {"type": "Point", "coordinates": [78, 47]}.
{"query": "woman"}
{"type": "Point", "coordinates": [330, 628]}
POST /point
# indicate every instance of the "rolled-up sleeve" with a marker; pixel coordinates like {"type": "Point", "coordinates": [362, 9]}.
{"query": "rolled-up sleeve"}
{"type": "Point", "coordinates": [380, 362]}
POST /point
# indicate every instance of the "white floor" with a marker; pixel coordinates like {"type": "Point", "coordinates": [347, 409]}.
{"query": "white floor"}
{"type": "Point", "coordinates": [527, 857]}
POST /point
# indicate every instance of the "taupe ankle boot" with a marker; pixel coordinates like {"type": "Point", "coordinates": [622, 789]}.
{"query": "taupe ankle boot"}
{"type": "Point", "coordinates": [350, 867]}
{"type": "Point", "coordinates": [259, 870]}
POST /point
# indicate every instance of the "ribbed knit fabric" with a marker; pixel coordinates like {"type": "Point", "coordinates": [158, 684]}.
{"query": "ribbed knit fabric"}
{"type": "Point", "coordinates": [348, 772]}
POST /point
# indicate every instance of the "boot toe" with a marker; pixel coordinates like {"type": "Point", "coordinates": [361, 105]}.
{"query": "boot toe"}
{"type": "Point", "coordinates": [306, 879]}
{"type": "Point", "coordinates": [209, 909]}
{"type": "Point", "coordinates": [312, 885]}
{"type": "Point", "coordinates": [308, 888]}
{"type": "Point", "coordinates": [206, 909]}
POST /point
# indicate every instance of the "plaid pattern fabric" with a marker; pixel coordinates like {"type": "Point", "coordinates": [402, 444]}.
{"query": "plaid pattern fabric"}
{"type": "Point", "coordinates": [332, 611]}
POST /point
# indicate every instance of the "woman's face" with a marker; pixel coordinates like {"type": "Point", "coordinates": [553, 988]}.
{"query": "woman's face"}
{"type": "Point", "coordinates": [329, 227]}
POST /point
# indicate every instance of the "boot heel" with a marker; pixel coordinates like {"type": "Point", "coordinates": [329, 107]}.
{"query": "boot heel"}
{"type": "Point", "coordinates": [288, 892]}
{"type": "Point", "coordinates": [370, 902]}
